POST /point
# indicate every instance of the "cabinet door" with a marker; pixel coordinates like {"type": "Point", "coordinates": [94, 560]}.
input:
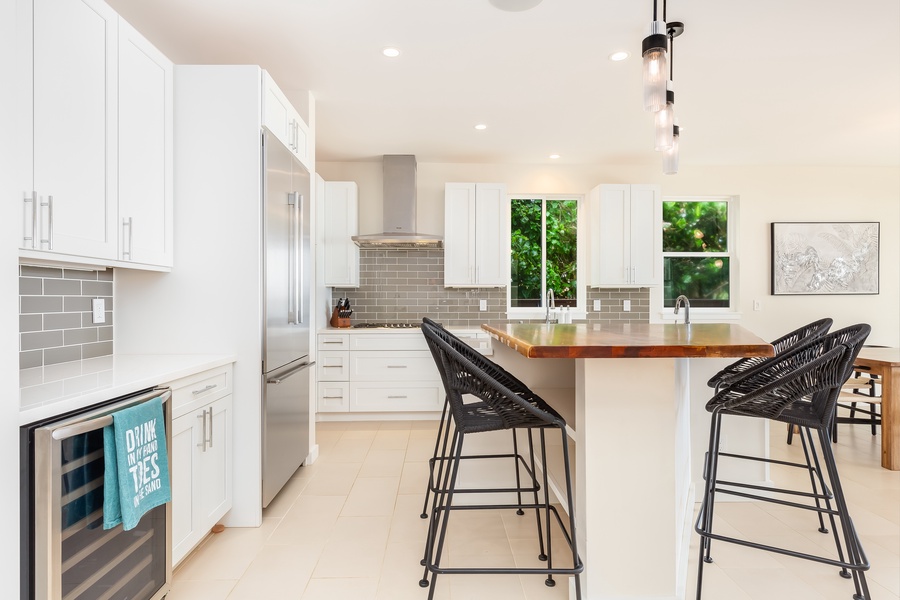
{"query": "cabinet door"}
{"type": "Point", "coordinates": [459, 234]}
{"type": "Point", "coordinates": [646, 235]}
{"type": "Point", "coordinates": [75, 86]}
{"type": "Point", "coordinates": [145, 150]}
{"type": "Point", "coordinates": [609, 238]}
{"type": "Point", "coordinates": [341, 222]}
{"type": "Point", "coordinates": [214, 472]}
{"type": "Point", "coordinates": [186, 531]}
{"type": "Point", "coordinates": [491, 242]}
{"type": "Point", "coordinates": [277, 112]}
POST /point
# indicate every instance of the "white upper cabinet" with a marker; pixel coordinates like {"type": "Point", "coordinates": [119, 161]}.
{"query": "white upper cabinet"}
{"type": "Point", "coordinates": [145, 151]}
{"type": "Point", "coordinates": [280, 117]}
{"type": "Point", "coordinates": [74, 78]}
{"type": "Point", "coordinates": [625, 235]}
{"type": "Point", "coordinates": [341, 255]}
{"type": "Point", "coordinates": [96, 105]}
{"type": "Point", "coordinates": [476, 246]}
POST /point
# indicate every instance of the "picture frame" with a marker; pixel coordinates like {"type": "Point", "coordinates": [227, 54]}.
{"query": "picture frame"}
{"type": "Point", "coordinates": [825, 258]}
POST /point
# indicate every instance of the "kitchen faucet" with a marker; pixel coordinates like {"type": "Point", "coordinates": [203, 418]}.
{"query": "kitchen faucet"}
{"type": "Point", "coordinates": [551, 303]}
{"type": "Point", "coordinates": [687, 308]}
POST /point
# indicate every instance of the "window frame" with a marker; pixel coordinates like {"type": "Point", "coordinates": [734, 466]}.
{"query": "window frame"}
{"type": "Point", "coordinates": [662, 314]}
{"type": "Point", "coordinates": [579, 311]}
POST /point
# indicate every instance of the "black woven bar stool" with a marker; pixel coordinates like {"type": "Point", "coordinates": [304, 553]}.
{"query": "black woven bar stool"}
{"type": "Point", "coordinates": [439, 458]}
{"type": "Point", "coordinates": [480, 403]}
{"type": "Point", "coordinates": [801, 388]}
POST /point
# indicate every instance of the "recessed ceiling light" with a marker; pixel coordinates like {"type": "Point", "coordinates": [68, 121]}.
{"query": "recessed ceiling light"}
{"type": "Point", "coordinates": [620, 55]}
{"type": "Point", "coordinates": [391, 52]}
{"type": "Point", "coordinates": [554, 156]}
{"type": "Point", "coordinates": [481, 126]}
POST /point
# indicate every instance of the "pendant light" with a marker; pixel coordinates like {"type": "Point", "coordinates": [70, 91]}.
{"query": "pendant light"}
{"type": "Point", "coordinates": [655, 68]}
{"type": "Point", "coordinates": [665, 116]}
{"type": "Point", "coordinates": [670, 156]}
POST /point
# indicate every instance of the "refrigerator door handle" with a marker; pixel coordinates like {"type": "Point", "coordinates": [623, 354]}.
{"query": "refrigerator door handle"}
{"type": "Point", "coordinates": [301, 276]}
{"type": "Point", "coordinates": [282, 376]}
{"type": "Point", "coordinates": [294, 200]}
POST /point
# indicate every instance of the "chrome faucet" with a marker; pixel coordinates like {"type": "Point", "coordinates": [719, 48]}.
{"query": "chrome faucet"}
{"type": "Point", "coordinates": [687, 308]}
{"type": "Point", "coordinates": [551, 303]}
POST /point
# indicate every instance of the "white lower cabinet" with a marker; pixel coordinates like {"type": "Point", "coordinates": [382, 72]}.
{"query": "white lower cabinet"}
{"type": "Point", "coordinates": [201, 456]}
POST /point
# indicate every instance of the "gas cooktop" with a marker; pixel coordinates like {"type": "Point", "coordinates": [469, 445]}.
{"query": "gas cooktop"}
{"type": "Point", "coordinates": [387, 325]}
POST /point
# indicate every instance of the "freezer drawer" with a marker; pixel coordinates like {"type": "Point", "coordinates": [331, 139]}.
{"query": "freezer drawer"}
{"type": "Point", "coordinates": [286, 412]}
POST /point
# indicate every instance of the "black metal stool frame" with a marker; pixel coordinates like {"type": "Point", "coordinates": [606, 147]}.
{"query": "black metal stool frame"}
{"type": "Point", "coordinates": [532, 413]}
{"type": "Point", "coordinates": [776, 391]}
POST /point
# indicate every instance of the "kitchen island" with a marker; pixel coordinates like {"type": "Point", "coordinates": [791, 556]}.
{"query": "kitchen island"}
{"type": "Point", "coordinates": [630, 418]}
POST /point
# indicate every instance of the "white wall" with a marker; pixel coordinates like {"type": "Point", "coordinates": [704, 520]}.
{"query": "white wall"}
{"type": "Point", "coordinates": [9, 309]}
{"type": "Point", "coordinates": [767, 194]}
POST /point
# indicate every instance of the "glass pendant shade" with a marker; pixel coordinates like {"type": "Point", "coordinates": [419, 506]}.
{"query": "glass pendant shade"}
{"type": "Point", "coordinates": [656, 67]}
{"type": "Point", "coordinates": [665, 121]}
{"type": "Point", "coordinates": [670, 156]}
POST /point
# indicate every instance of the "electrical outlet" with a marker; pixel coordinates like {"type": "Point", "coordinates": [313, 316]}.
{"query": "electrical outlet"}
{"type": "Point", "coordinates": [98, 308]}
{"type": "Point", "coordinates": [596, 306]}
{"type": "Point", "coordinates": [757, 305]}
{"type": "Point", "coordinates": [626, 305]}
{"type": "Point", "coordinates": [482, 305]}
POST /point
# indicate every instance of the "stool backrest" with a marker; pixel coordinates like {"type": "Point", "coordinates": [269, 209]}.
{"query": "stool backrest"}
{"type": "Point", "coordinates": [790, 340]}
{"type": "Point", "coordinates": [812, 372]}
{"type": "Point", "coordinates": [464, 377]}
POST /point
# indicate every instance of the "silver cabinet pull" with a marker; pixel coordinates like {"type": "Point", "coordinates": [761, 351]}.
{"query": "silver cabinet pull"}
{"type": "Point", "coordinates": [26, 238]}
{"type": "Point", "coordinates": [396, 397]}
{"type": "Point", "coordinates": [127, 223]}
{"type": "Point", "coordinates": [332, 341]}
{"type": "Point", "coordinates": [206, 389]}
{"type": "Point", "coordinates": [202, 444]}
{"type": "Point", "coordinates": [397, 366]}
{"type": "Point", "coordinates": [49, 238]}
{"type": "Point", "coordinates": [210, 426]}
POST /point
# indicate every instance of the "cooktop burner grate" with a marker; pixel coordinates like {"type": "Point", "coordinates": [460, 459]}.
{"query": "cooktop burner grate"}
{"type": "Point", "coordinates": [387, 325]}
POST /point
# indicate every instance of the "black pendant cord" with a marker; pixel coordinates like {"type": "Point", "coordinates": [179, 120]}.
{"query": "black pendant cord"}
{"type": "Point", "coordinates": [664, 11]}
{"type": "Point", "coordinates": [654, 9]}
{"type": "Point", "coordinates": [671, 55]}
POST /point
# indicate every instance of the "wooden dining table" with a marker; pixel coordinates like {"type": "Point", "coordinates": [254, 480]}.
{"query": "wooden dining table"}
{"type": "Point", "coordinates": [885, 362]}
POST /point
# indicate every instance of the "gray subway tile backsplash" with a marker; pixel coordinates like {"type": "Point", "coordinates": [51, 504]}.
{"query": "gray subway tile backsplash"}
{"type": "Point", "coordinates": [406, 285]}
{"type": "Point", "coordinates": [55, 320]}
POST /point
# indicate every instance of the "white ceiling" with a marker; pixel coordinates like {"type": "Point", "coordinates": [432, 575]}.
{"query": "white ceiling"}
{"type": "Point", "coordinates": [758, 82]}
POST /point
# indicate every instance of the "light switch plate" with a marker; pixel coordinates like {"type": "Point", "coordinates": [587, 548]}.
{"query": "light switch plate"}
{"type": "Point", "coordinates": [626, 305]}
{"type": "Point", "coordinates": [98, 308]}
{"type": "Point", "coordinates": [482, 305]}
{"type": "Point", "coordinates": [596, 306]}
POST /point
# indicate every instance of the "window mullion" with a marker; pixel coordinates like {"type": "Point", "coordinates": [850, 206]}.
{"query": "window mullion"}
{"type": "Point", "coordinates": [543, 253]}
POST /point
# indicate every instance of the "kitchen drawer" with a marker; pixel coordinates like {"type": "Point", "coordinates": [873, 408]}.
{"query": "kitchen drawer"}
{"type": "Point", "coordinates": [199, 389]}
{"type": "Point", "coordinates": [333, 396]}
{"type": "Point", "coordinates": [333, 365]}
{"type": "Point", "coordinates": [393, 366]}
{"type": "Point", "coordinates": [385, 396]}
{"type": "Point", "coordinates": [333, 341]}
{"type": "Point", "coordinates": [414, 340]}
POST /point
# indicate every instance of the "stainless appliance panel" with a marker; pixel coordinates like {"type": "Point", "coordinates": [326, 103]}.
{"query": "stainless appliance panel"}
{"type": "Point", "coordinates": [285, 426]}
{"type": "Point", "coordinates": [286, 223]}
{"type": "Point", "coordinates": [72, 554]}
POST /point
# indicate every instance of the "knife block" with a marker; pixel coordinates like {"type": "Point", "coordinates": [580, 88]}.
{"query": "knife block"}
{"type": "Point", "coordinates": [337, 321]}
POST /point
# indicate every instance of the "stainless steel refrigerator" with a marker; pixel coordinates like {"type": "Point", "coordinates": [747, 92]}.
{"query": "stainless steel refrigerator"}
{"type": "Point", "coordinates": [286, 366]}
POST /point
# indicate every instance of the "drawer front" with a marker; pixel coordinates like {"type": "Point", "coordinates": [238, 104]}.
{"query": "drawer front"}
{"type": "Point", "coordinates": [202, 388]}
{"type": "Point", "coordinates": [333, 396]}
{"type": "Point", "coordinates": [333, 341]}
{"type": "Point", "coordinates": [387, 397]}
{"type": "Point", "coordinates": [388, 341]}
{"type": "Point", "coordinates": [393, 366]}
{"type": "Point", "coordinates": [333, 365]}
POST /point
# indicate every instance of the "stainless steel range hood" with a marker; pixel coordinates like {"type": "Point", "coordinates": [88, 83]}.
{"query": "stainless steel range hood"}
{"type": "Point", "coordinates": [399, 209]}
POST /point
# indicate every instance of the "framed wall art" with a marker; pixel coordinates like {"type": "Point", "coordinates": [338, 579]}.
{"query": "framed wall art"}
{"type": "Point", "coordinates": [825, 258]}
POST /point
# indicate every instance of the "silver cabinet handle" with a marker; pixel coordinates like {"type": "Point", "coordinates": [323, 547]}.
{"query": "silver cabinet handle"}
{"type": "Point", "coordinates": [396, 397]}
{"type": "Point", "coordinates": [26, 238]}
{"type": "Point", "coordinates": [129, 224]}
{"type": "Point", "coordinates": [397, 366]}
{"type": "Point", "coordinates": [202, 444]}
{"type": "Point", "coordinates": [210, 426]}
{"type": "Point", "coordinates": [633, 277]}
{"type": "Point", "coordinates": [332, 341]}
{"type": "Point", "coordinates": [206, 389]}
{"type": "Point", "coordinates": [49, 239]}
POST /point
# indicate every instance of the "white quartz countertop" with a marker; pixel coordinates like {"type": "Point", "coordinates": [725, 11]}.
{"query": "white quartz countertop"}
{"type": "Point", "coordinates": [52, 390]}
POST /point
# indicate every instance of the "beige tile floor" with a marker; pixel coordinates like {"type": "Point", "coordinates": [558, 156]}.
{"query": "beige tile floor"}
{"type": "Point", "coordinates": [347, 528]}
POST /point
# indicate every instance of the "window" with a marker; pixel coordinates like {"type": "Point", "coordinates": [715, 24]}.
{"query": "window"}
{"type": "Point", "coordinates": [544, 253]}
{"type": "Point", "coordinates": [698, 251]}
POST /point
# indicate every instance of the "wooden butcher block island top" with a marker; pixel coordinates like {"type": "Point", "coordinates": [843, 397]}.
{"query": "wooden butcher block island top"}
{"type": "Point", "coordinates": [631, 340]}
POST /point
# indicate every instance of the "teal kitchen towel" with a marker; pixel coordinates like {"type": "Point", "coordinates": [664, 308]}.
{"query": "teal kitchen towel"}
{"type": "Point", "coordinates": [136, 467]}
